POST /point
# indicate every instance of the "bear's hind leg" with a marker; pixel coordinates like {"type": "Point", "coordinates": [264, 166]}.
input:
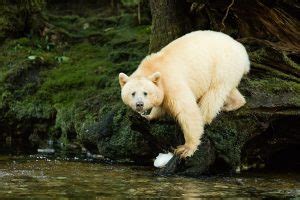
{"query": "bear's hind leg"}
{"type": "Point", "coordinates": [234, 101]}
{"type": "Point", "coordinates": [212, 102]}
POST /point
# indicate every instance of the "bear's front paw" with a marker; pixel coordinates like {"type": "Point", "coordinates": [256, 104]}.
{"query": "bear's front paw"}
{"type": "Point", "coordinates": [185, 150]}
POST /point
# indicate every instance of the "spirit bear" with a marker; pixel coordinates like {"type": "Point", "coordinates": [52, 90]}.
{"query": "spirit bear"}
{"type": "Point", "coordinates": [193, 78]}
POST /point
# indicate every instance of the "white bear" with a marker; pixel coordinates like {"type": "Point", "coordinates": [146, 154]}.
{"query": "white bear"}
{"type": "Point", "coordinates": [193, 78]}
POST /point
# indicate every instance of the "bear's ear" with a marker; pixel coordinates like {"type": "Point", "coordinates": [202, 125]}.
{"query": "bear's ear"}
{"type": "Point", "coordinates": [155, 77]}
{"type": "Point", "coordinates": [123, 78]}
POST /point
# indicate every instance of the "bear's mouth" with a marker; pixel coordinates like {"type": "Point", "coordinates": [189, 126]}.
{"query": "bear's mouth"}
{"type": "Point", "coordinates": [139, 110]}
{"type": "Point", "coordinates": [144, 112]}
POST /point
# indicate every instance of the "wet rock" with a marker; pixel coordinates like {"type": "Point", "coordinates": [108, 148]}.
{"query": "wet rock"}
{"type": "Point", "coordinates": [171, 167]}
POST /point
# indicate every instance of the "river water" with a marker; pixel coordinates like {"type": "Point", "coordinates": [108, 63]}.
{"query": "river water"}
{"type": "Point", "coordinates": [39, 178]}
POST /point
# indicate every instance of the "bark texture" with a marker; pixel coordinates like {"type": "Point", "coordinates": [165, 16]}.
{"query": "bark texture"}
{"type": "Point", "coordinates": [170, 20]}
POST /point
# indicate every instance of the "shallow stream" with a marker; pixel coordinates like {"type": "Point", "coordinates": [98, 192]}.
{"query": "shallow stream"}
{"type": "Point", "coordinates": [39, 178]}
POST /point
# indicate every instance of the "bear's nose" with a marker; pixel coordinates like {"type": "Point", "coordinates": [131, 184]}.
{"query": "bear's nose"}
{"type": "Point", "coordinates": [139, 104]}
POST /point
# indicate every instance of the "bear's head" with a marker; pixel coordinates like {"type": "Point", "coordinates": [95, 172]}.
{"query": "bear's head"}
{"type": "Point", "coordinates": [141, 93]}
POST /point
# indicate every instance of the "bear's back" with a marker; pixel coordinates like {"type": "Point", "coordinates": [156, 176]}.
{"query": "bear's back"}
{"type": "Point", "coordinates": [207, 39]}
{"type": "Point", "coordinates": [197, 59]}
{"type": "Point", "coordinates": [206, 48]}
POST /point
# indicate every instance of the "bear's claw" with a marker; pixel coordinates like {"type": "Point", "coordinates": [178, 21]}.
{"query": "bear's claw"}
{"type": "Point", "coordinates": [185, 151]}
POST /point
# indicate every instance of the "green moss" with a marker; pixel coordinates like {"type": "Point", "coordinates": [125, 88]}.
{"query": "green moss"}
{"type": "Point", "coordinates": [30, 108]}
{"type": "Point", "coordinates": [274, 85]}
{"type": "Point", "coordinates": [18, 18]}
{"type": "Point", "coordinates": [270, 91]}
{"type": "Point", "coordinates": [70, 77]}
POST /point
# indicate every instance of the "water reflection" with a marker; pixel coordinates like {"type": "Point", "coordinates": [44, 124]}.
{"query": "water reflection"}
{"type": "Point", "coordinates": [44, 178]}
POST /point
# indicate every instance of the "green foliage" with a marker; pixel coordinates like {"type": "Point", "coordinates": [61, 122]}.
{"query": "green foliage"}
{"type": "Point", "coordinates": [17, 16]}
{"type": "Point", "coordinates": [130, 2]}
{"type": "Point", "coordinates": [68, 78]}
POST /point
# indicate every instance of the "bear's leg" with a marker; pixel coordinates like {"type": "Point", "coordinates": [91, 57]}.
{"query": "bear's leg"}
{"type": "Point", "coordinates": [185, 109]}
{"type": "Point", "coordinates": [212, 102]}
{"type": "Point", "coordinates": [155, 113]}
{"type": "Point", "coordinates": [234, 101]}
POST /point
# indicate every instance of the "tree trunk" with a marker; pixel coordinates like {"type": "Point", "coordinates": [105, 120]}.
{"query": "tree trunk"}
{"type": "Point", "coordinates": [169, 21]}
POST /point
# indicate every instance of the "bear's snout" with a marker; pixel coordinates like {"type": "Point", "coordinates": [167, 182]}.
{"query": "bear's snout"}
{"type": "Point", "coordinates": [139, 105]}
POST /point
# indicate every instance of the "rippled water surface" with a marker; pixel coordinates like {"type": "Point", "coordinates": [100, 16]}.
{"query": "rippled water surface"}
{"type": "Point", "coordinates": [44, 178]}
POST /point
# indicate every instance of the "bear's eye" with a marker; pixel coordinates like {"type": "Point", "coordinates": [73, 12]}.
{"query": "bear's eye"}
{"type": "Point", "coordinates": [133, 94]}
{"type": "Point", "coordinates": [145, 94]}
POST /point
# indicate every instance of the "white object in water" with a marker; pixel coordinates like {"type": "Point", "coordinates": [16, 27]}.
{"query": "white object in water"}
{"type": "Point", "coordinates": [47, 150]}
{"type": "Point", "coordinates": [162, 159]}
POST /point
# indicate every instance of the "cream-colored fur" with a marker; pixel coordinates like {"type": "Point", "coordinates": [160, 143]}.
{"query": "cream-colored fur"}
{"type": "Point", "coordinates": [192, 79]}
